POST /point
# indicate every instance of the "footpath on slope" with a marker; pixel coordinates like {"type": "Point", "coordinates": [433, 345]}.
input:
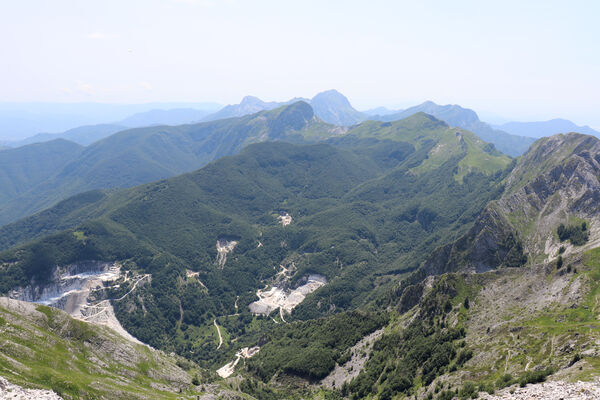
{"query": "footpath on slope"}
{"type": "Point", "coordinates": [219, 332]}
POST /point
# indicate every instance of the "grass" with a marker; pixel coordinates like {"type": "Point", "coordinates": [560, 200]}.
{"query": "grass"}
{"type": "Point", "coordinates": [60, 354]}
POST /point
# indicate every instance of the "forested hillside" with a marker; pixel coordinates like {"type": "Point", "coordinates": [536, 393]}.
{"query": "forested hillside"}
{"type": "Point", "coordinates": [364, 209]}
{"type": "Point", "coordinates": [136, 156]}
{"type": "Point", "coordinates": [370, 240]}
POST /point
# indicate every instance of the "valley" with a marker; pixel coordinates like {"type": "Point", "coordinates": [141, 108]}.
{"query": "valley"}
{"type": "Point", "coordinates": [299, 200]}
{"type": "Point", "coordinates": [404, 258]}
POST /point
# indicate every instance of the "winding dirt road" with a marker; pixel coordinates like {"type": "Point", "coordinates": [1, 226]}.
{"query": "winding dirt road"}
{"type": "Point", "coordinates": [219, 332]}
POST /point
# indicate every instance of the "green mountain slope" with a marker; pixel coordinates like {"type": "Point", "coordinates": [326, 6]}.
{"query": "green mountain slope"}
{"type": "Point", "coordinates": [365, 210]}
{"type": "Point", "coordinates": [450, 332]}
{"type": "Point", "coordinates": [439, 263]}
{"type": "Point", "coordinates": [529, 313]}
{"type": "Point", "coordinates": [465, 118]}
{"type": "Point", "coordinates": [44, 348]}
{"type": "Point", "coordinates": [83, 135]}
{"type": "Point", "coordinates": [23, 168]}
{"type": "Point", "coordinates": [142, 155]}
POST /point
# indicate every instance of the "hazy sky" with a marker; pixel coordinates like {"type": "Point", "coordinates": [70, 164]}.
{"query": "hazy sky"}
{"type": "Point", "coordinates": [518, 59]}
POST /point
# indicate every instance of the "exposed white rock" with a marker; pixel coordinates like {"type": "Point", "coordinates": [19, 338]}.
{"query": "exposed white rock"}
{"type": "Point", "coordinates": [70, 290]}
{"type": "Point", "coordinates": [14, 392]}
{"type": "Point", "coordinates": [350, 370]}
{"type": "Point", "coordinates": [70, 285]}
{"type": "Point", "coordinates": [552, 390]}
{"type": "Point", "coordinates": [270, 299]}
{"type": "Point", "coordinates": [226, 370]}
{"type": "Point", "coordinates": [224, 247]}
{"type": "Point", "coordinates": [285, 219]}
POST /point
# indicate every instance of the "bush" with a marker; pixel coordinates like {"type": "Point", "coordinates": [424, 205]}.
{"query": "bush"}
{"type": "Point", "coordinates": [577, 234]}
{"type": "Point", "coordinates": [575, 358]}
{"type": "Point", "coordinates": [534, 376]}
{"type": "Point", "coordinates": [464, 356]}
{"type": "Point", "coordinates": [468, 390]}
{"type": "Point", "coordinates": [504, 381]}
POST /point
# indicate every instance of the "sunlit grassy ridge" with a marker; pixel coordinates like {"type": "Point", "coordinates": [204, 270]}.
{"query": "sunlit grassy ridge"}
{"type": "Point", "coordinates": [44, 348]}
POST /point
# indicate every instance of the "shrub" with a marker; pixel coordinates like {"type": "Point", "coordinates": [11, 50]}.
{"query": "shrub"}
{"type": "Point", "coordinates": [575, 358]}
{"type": "Point", "coordinates": [504, 381]}
{"type": "Point", "coordinates": [468, 390]}
{"type": "Point", "coordinates": [576, 234]}
{"type": "Point", "coordinates": [534, 376]}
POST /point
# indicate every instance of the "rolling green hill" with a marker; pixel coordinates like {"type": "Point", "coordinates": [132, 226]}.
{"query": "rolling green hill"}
{"type": "Point", "coordinates": [465, 118]}
{"type": "Point", "coordinates": [142, 155]}
{"type": "Point", "coordinates": [83, 135]}
{"type": "Point", "coordinates": [23, 168]}
{"type": "Point", "coordinates": [431, 279]}
{"type": "Point", "coordinates": [367, 207]}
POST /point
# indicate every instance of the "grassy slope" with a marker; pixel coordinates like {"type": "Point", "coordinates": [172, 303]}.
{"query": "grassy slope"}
{"type": "Point", "coordinates": [44, 348]}
{"type": "Point", "coordinates": [475, 154]}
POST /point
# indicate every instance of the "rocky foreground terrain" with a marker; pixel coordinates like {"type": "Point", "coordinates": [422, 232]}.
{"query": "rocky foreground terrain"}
{"type": "Point", "coordinates": [10, 391]}
{"type": "Point", "coordinates": [553, 390]}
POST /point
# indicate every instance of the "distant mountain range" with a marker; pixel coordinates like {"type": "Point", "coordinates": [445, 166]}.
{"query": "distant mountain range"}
{"type": "Point", "coordinates": [21, 120]}
{"type": "Point", "coordinates": [88, 134]}
{"type": "Point", "coordinates": [465, 118]}
{"type": "Point", "coordinates": [176, 116]}
{"type": "Point", "coordinates": [83, 135]}
{"type": "Point", "coordinates": [141, 155]}
{"type": "Point", "coordinates": [38, 175]}
{"type": "Point", "coordinates": [331, 106]}
{"type": "Point", "coordinates": [512, 138]}
{"type": "Point", "coordinates": [545, 128]}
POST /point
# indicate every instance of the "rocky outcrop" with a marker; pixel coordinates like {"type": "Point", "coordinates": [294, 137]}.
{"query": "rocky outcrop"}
{"type": "Point", "coordinates": [15, 392]}
{"type": "Point", "coordinates": [78, 289]}
{"type": "Point", "coordinates": [224, 247]}
{"type": "Point", "coordinates": [491, 243]}
{"type": "Point", "coordinates": [554, 390]}
{"type": "Point", "coordinates": [556, 180]}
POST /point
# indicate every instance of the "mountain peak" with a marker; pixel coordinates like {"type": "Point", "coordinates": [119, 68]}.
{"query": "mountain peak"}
{"type": "Point", "coordinates": [251, 100]}
{"type": "Point", "coordinates": [334, 107]}
{"type": "Point", "coordinates": [332, 95]}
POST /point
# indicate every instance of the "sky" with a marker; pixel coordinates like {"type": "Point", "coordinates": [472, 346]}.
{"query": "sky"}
{"type": "Point", "coordinates": [517, 60]}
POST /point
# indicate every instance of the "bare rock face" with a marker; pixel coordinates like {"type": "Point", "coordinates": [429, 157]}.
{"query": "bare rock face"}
{"type": "Point", "coordinates": [491, 243]}
{"type": "Point", "coordinates": [555, 390]}
{"type": "Point", "coordinates": [554, 182]}
{"type": "Point", "coordinates": [10, 391]}
{"type": "Point", "coordinates": [557, 179]}
{"type": "Point", "coordinates": [224, 247]}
